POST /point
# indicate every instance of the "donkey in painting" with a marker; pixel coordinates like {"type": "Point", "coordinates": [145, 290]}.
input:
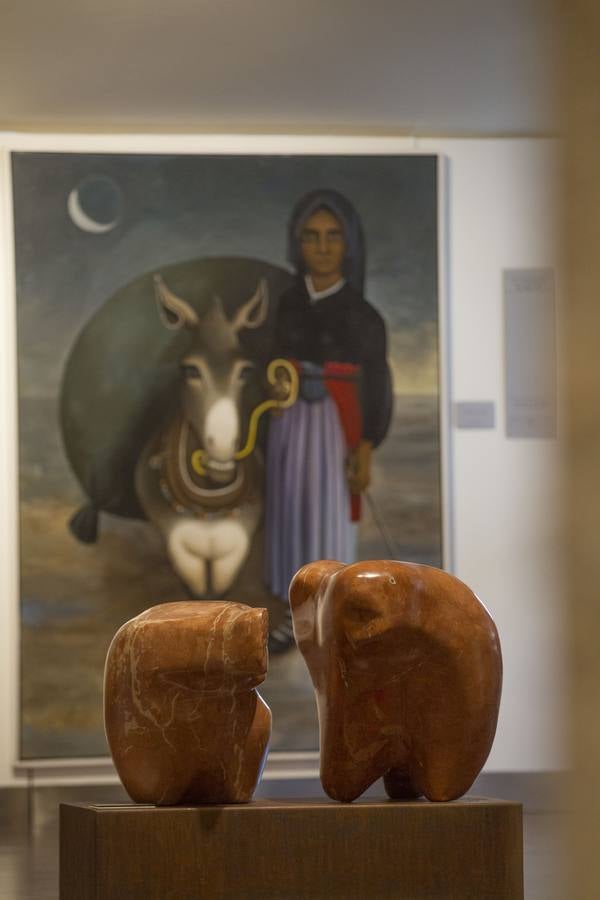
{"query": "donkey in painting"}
{"type": "Point", "coordinates": [190, 479]}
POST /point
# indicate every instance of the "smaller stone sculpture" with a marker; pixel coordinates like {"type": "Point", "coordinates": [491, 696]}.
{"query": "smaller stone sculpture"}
{"type": "Point", "coordinates": [407, 671]}
{"type": "Point", "coordinates": [183, 719]}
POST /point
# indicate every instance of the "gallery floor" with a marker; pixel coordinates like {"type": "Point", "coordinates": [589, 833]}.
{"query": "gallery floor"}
{"type": "Point", "coordinates": [29, 832]}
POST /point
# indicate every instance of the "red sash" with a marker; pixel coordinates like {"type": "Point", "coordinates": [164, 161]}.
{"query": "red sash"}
{"type": "Point", "coordinates": [341, 380]}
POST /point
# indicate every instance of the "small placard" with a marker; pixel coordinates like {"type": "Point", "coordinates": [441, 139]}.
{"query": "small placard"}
{"type": "Point", "coordinates": [475, 414]}
{"type": "Point", "coordinates": [530, 349]}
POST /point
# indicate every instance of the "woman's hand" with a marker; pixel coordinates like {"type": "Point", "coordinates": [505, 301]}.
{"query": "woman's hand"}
{"type": "Point", "coordinates": [280, 390]}
{"type": "Point", "coordinates": [359, 467]}
{"type": "Point", "coordinates": [282, 382]}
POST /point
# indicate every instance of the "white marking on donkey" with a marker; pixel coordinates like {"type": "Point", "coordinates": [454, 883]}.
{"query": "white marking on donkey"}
{"type": "Point", "coordinates": [207, 515]}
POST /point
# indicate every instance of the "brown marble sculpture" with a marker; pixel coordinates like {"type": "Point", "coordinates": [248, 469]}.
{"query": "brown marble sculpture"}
{"type": "Point", "coordinates": [183, 719]}
{"type": "Point", "coordinates": [407, 671]}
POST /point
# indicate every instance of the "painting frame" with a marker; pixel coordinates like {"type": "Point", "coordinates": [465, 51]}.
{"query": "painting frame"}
{"type": "Point", "coordinates": [283, 763]}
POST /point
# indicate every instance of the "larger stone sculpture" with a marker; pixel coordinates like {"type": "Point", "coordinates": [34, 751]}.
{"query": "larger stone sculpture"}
{"type": "Point", "coordinates": [407, 671]}
{"type": "Point", "coordinates": [183, 719]}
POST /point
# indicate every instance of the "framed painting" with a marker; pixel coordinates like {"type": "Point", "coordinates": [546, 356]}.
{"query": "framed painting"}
{"type": "Point", "coordinates": [229, 356]}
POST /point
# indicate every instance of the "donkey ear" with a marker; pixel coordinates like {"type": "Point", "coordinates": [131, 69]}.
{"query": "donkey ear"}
{"type": "Point", "coordinates": [174, 312]}
{"type": "Point", "coordinates": [254, 312]}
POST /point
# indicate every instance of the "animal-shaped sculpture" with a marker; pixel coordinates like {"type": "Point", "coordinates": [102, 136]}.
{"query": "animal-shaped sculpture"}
{"type": "Point", "coordinates": [183, 719]}
{"type": "Point", "coordinates": [407, 671]}
{"type": "Point", "coordinates": [190, 482]}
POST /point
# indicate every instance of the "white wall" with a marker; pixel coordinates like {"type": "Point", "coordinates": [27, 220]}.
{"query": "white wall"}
{"type": "Point", "coordinates": [504, 492]}
{"type": "Point", "coordinates": [465, 67]}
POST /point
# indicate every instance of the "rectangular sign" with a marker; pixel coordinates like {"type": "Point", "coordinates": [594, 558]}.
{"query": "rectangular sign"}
{"type": "Point", "coordinates": [475, 414]}
{"type": "Point", "coordinates": [530, 353]}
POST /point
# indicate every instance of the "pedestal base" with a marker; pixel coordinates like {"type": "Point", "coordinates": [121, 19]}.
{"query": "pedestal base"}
{"type": "Point", "coordinates": [471, 849]}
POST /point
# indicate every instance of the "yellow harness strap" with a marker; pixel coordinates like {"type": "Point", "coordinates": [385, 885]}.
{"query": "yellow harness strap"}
{"type": "Point", "coordinates": [199, 456]}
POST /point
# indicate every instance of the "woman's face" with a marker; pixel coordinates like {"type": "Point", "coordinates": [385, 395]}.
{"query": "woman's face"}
{"type": "Point", "coordinates": [322, 245]}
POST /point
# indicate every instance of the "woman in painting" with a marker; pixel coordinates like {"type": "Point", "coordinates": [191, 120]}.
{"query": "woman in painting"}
{"type": "Point", "coordinates": [319, 450]}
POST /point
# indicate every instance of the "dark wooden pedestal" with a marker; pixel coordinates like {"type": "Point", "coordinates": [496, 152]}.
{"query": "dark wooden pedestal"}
{"type": "Point", "coordinates": [471, 849]}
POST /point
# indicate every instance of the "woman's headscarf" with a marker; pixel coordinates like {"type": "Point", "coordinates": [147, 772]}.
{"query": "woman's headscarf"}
{"type": "Point", "coordinates": [342, 209]}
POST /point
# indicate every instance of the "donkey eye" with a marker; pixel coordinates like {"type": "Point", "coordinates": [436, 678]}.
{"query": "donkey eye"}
{"type": "Point", "coordinates": [245, 373]}
{"type": "Point", "coordinates": [191, 371]}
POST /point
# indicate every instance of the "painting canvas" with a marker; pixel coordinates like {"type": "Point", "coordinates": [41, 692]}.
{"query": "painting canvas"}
{"type": "Point", "coordinates": [227, 365]}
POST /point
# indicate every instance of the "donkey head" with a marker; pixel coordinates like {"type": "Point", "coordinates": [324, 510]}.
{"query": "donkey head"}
{"type": "Point", "coordinates": [214, 371]}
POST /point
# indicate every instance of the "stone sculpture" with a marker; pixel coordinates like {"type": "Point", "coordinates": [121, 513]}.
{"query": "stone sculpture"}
{"type": "Point", "coordinates": [183, 719]}
{"type": "Point", "coordinates": [407, 670]}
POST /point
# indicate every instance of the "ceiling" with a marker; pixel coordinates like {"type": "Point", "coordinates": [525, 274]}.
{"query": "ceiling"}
{"type": "Point", "coordinates": [481, 67]}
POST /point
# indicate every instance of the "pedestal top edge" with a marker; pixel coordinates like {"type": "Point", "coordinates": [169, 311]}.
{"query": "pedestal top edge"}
{"type": "Point", "coordinates": [265, 804]}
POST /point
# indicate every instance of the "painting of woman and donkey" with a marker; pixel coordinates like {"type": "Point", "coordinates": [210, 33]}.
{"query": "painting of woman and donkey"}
{"type": "Point", "coordinates": [228, 367]}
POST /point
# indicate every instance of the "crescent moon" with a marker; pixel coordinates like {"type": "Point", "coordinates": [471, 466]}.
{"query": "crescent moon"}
{"type": "Point", "coordinates": [82, 220]}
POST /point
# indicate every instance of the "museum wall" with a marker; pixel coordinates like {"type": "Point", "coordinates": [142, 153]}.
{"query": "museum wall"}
{"type": "Point", "coordinates": [503, 492]}
{"type": "Point", "coordinates": [506, 491]}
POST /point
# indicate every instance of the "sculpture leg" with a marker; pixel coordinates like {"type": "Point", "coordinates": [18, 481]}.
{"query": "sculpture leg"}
{"type": "Point", "coordinates": [398, 785]}
{"type": "Point", "coordinates": [244, 772]}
